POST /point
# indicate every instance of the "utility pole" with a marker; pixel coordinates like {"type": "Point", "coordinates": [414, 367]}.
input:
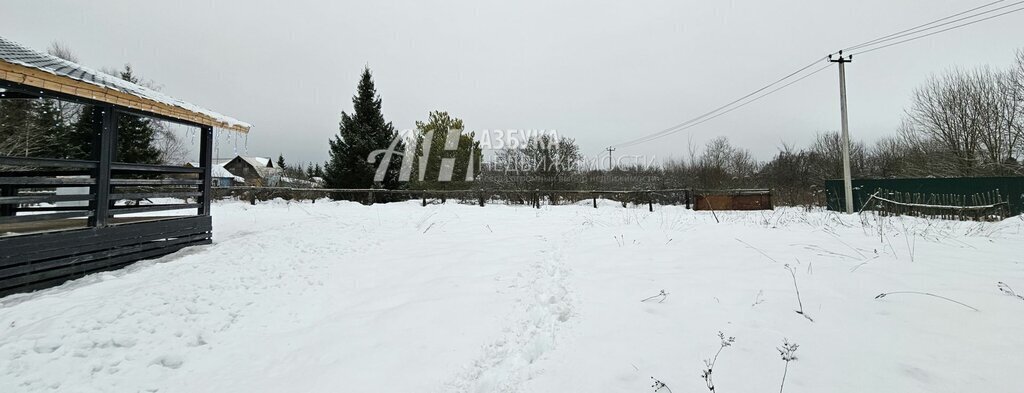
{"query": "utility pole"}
{"type": "Point", "coordinates": [847, 181]}
{"type": "Point", "coordinates": [610, 150]}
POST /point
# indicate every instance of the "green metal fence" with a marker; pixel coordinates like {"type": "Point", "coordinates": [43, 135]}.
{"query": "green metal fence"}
{"type": "Point", "coordinates": [1011, 188]}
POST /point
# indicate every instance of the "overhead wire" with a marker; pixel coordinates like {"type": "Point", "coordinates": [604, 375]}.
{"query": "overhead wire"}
{"type": "Point", "coordinates": [871, 45]}
{"type": "Point", "coordinates": [915, 28]}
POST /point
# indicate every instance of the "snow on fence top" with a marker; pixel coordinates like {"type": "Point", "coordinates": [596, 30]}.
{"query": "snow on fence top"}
{"type": "Point", "coordinates": [26, 66]}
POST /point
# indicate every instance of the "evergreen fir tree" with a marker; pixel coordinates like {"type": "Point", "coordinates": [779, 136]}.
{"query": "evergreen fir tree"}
{"type": "Point", "coordinates": [51, 128]}
{"type": "Point", "coordinates": [359, 135]}
{"type": "Point", "coordinates": [280, 161]}
{"type": "Point", "coordinates": [83, 133]}
{"type": "Point", "coordinates": [135, 134]}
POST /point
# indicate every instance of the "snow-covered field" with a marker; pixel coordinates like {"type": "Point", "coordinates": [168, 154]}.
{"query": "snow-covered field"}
{"type": "Point", "coordinates": [340, 297]}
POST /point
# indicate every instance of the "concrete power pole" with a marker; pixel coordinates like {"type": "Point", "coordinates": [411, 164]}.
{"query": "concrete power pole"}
{"type": "Point", "coordinates": [847, 181]}
{"type": "Point", "coordinates": [610, 150]}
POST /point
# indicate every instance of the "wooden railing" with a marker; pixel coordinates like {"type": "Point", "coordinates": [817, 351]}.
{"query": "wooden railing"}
{"type": "Point", "coordinates": [38, 189]}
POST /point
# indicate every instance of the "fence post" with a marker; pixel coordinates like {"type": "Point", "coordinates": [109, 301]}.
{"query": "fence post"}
{"type": "Point", "coordinates": [686, 198]}
{"type": "Point", "coordinates": [104, 150]}
{"type": "Point", "coordinates": [481, 196]}
{"type": "Point", "coordinates": [650, 202]}
{"type": "Point", "coordinates": [595, 201]}
{"type": "Point", "coordinates": [424, 196]}
{"type": "Point", "coordinates": [536, 199]}
{"type": "Point", "coordinates": [206, 161]}
{"type": "Point", "coordinates": [7, 210]}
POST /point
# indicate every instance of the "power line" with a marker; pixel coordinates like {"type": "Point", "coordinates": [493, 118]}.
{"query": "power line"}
{"type": "Point", "coordinates": [940, 31]}
{"type": "Point", "coordinates": [739, 106]}
{"type": "Point", "coordinates": [674, 128]}
{"type": "Point", "coordinates": [886, 37]}
{"type": "Point", "coordinates": [721, 110]}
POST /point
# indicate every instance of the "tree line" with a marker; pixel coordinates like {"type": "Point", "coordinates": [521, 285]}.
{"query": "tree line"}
{"type": "Point", "coordinates": [961, 123]}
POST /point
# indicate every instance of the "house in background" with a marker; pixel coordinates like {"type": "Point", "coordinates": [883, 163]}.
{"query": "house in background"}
{"type": "Point", "coordinates": [219, 176]}
{"type": "Point", "coordinates": [255, 171]}
{"type": "Point", "coordinates": [223, 178]}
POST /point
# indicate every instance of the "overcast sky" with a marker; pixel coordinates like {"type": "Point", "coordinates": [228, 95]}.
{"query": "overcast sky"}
{"type": "Point", "coordinates": [600, 72]}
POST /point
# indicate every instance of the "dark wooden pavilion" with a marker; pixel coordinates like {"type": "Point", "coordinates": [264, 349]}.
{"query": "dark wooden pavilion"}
{"type": "Point", "coordinates": [61, 219]}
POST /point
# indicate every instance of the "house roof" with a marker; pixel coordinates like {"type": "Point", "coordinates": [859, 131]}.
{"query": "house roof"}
{"type": "Point", "coordinates": [257, 161]}
{"type": "Point", "coordinates": [216, 170]}
{"type": "Point", "coordinates": [220, 171]}
{"type": "Point", "coordinates": [22, 65]}
{"type": "Point", "coordinates": [263, 166]}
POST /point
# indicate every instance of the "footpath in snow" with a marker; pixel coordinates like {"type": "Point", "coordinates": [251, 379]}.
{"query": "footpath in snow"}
{"type": "Point", "coordinates": [337, 296]}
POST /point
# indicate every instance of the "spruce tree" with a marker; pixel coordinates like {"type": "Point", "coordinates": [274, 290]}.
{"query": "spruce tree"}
{"type": "Point", "coordinates": [359, 135]}
{"type": "Point", "coordinates": [83, 133]}
{"type": "Point", "coordinates": [49, 124]}
{"type": "Point", "coordinates": [135, 134]}
{"type": "Point", "coordinates": [280, 161]}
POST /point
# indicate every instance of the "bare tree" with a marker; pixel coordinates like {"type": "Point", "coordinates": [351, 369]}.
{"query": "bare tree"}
{"type": "Point", "coordinates": [172, 150]}
{"type": "Point", "coordinates": [62, 51]}
{"type": "Point", "coordinates": [974, 115]}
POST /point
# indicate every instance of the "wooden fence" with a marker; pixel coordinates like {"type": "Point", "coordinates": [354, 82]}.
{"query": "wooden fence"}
{"type": "Point", "coordinates": [534, 198]}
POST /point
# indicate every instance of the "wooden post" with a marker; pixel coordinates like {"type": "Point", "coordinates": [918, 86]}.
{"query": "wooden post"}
{"type": "Point", "coordinates": [206, 162]}
{"type": "Point", "coordinates": [595, 201]}
{"type": "Point", "coordinates": [687, 195]}
{"type": "Point", "coordinates": [650, 202]}
{"type": "Point", "coordinates": [424, 195]}
{"type": "Point", "coordinates": [7, 210]}
{"type": "Point", "coordinates": [107, 147]}
{"type": "Point", "coordinates": [481, 196]}
{"type": "Point", "coordinates": [536, 199]}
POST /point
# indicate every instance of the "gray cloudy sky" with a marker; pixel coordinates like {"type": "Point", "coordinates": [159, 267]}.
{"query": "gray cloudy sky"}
{"type": "Point", "coordinates": [600, 72]}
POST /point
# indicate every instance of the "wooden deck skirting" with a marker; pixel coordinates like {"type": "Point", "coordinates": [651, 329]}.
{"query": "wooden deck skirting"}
{"type": "Point", "coordinates": [41, 260]}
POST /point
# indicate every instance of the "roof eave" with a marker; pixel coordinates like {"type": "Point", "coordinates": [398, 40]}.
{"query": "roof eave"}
{"type": "Point", "coordinates": [34, 77]}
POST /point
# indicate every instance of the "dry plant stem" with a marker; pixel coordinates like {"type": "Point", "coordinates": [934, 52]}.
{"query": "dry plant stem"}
{"type": "Point", "coordinates": [788, 353]}
{"type": "Point", "coordinates": [662, 294]}
{"type": "Point", "coordinates": [926, 294]}
{"type": "Point", "coordinates": [710, 364]}
{"type": "Point", "coordinates": [784, 372]}
{"type": "Point", "coordinates": [712, 210]}
{"type": "Point", "coordinates": [658, 385]}
{"type": "Point", "coordinates": [1005, 288]}
{"type": "Point", "coordinates": [798, 301]}
{"type": "Point", "coordinates": [758, 250]}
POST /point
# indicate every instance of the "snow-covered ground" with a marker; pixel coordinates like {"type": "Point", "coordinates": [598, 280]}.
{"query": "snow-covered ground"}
{"type": "Point", "coordinates": [340, 297]}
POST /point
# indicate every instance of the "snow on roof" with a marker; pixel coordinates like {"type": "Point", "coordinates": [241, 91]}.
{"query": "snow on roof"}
{"type": "Point", "coordinates": [262, 161]}
{"type": "Point", "coordinates": [15, 54]}
{"type": "Point", "coordinates": [220, 171]}
{"type": "Point", "coordinates": [216, 170]}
